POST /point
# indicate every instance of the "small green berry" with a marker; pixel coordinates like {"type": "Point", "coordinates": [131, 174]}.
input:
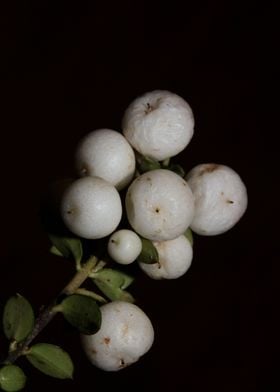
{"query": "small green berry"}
{"type": "Point", "coordinates": [12, 378]}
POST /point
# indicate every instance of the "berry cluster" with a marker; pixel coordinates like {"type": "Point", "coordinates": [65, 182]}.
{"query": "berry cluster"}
{"type": "Point", "coordinates": [139, 206]}
{"type": "Point", "coordinates": [161, 206]}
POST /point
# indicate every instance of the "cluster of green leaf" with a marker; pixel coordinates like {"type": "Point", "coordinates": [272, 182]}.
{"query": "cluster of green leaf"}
{"type": "Point", "coordinates": [145, 164]}
{"type": "Point", "coordinates": [110, 282]}
{"type": "Point", "coordinates": [18, 324]}
{"type": "Point", "coordinates": [79, 308]}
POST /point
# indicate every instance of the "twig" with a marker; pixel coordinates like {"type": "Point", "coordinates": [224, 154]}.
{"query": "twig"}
{"type": "Point", "coordinates": [47, 314]}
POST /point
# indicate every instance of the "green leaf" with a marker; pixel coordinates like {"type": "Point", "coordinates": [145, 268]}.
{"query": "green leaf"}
{"type": "Point", "coordinates": [114, 277]}
{"type": "Point", "coordinates": [149, 253]}
{"type": "Point", "coordinates": [18, 318]}
{"type": "Point", "coordinates": [55, 251]}
{"type": "Point", "coordinates": [113, 293]}
{"type": "Point", "coordinates": [12, 378]}
{"type": "Point", "coordinates": [188, 234]}
{"type": "Point", "coordinates": [113, 283]}
{"type": "Point", "coordinates": [145, 164]}
{"type": "Point", "coordinates": [67, 247]}
{"type": "Point", "coordinates": [165, 163]}
{"type": "Point", "coordinates": [51, 360]}
{"type": "Point", "coordinates": [82, 312]}
{"type": "Point", "coordinates": [177, 169]}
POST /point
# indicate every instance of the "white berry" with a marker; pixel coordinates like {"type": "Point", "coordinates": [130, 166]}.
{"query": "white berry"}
{"type": "Point", "coordinates": [124, 246]}
{"type": "Point", "coordinates": [91, 208]}
{"type": "Point", "coordinates": [107, 154]}
{"type": "Point", "coordinates": [175, 257]}
{"type": "Point", "coordinates": [125, 335]}
{"type": "Point", "coordinates": [158, 124]}
{"type": "Point", "coordinates": [220, 198]}
{"type": "Point", "coordinates": [159, 205]}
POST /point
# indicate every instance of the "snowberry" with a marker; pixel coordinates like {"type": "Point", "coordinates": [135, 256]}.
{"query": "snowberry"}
{"type": "Point", "coordinates": [159, 124]}
{"type": "Point", "coordinates": [107, 154]}
{"type": "Point", "coordinates": [159, 205]}
{"type": "Point", "coordinates": [220, 198]}
{"type": "Point", "coordinates": [126, 334]}
{"type": "Point", "coordinates": [91, 208]}
{"type": "Point", "coordinates": [124, 246]}
{"type": "Point", "coordinates": [175, 257]}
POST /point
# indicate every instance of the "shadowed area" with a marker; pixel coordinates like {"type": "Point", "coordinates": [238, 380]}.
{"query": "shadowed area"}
{"type": "Point", "coordinates": [68, 68]}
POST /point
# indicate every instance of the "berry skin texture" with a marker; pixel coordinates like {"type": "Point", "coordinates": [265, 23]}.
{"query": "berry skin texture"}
{"type": "Point", "coordinates": [105, 153]}
{"type": "Point", "coordinates": [158, 124]}
{"type": "Point", "coordinates": [91, 208]}
{"type": "Point", "coordinates": [220, 198]}
{"type": "Point", "coordinates": [175, 257]}
{"type": "Point", "coordinates": [124, 246]}
{"type": "Point", "coordinates": [159, 205]}
{"type": "Point", "coordinates": [125, 335]}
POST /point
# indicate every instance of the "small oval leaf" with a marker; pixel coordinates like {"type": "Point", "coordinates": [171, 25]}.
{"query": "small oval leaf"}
{"type": "Point", "coordinates": [112, 283]}
{"type": "Point", "coordinates": [55, 251]}
{"type": "Point", "coordinates": [112, 292]}
{"type": "Point", "coordinates": [177, 169]}
{"type": "Point", "coordinates": [82, 312]}
{"type": "Point", "coordinates": [149, 254]}
{"type": "Point", "coordinates": [12, 378]}
{"type": "Point", "coordinates": [188, 234]}
{"type": "Point", "coordinates": [51, 360]}
{"type": "Point", "coordinates": [114, 278]}
{"type": "Point", "coordinates": [145, 164]}
{"type": "Point", "coordinates": [18, 318]}
{"type": "Point", "coordinates": [67, 247]}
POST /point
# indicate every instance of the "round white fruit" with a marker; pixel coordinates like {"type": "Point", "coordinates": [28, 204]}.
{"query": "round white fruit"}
{"type": "Point", "coordinates": [91, 208]}
{"type": "Point", "coordinates": [124, 246]}
{"type": "Point", "coordinates": [159, 205]}
{"type": "Point", "coordinates": [175, 257]}
{"type": "Point", "coordinates": [220, 198]}
{"type": "Point", "coordinates": [158, 124]}
{"type": "Point", "coordinates": [125, 335]}
{"type": "Point", "coordinates": [106, 153]}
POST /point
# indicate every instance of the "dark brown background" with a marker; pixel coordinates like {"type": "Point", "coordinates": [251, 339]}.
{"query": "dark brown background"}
{"type": "Point", "coordinates": [70, 68]}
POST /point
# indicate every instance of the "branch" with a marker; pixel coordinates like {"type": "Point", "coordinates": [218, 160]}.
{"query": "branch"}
{"type": "Point", "coordinates": [47, 314]}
